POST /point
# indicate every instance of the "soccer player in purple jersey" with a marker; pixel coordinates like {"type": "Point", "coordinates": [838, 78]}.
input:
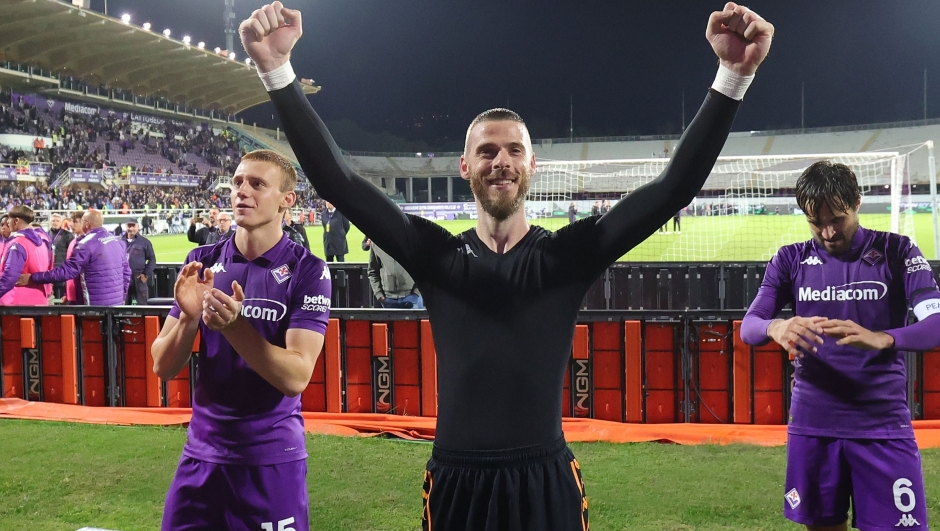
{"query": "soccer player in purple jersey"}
{"type": "Point", "coordinates": [850, 434]}
{"type": "Point", "coordinates": [261, 304]}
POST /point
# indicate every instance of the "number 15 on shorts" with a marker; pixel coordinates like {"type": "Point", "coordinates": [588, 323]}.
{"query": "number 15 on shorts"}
{"type": "Point", "coordinates": [282, 525]}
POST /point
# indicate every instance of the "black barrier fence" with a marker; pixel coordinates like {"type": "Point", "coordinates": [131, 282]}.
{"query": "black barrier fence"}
{"type": "Point", "coordinates": [623, 286]}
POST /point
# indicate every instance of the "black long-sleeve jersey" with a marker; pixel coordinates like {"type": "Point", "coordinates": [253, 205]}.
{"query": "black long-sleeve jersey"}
{"type": "Point", "coordinates": [503, 323]}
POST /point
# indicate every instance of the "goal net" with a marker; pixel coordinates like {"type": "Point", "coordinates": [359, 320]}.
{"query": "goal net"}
{"type": "Point", "coordinates": [746, 210]}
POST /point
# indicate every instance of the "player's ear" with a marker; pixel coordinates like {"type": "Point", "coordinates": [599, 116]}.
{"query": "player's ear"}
{"type": "Point", "coordinates": [289, 199]}
{"type": "Point", "coordinates": [464, 168]}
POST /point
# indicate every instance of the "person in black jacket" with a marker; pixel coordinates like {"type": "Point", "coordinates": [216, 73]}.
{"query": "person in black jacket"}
{"type": "Point", "coordinates": [295, 231]}
{"type": "Point", "coordinates": [61, 238]}
{"type": "Point", "coordinates": [200, 236]}
{"type": "Point", "coordinates": [335, 226]}
{"type": "Point", "coordinates": [141, 258]}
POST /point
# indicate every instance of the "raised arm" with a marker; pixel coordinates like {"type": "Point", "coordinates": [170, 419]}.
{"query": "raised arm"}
{"type": "Point", "coordinates": [192, 235]}
{"type": "Point", "coordinates": [268, 36]}
{"type": "Point", "coordinates": [741, 40]}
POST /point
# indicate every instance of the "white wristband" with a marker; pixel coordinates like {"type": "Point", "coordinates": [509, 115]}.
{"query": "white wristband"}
{"type": "Point", "coordinates": [278, 78]}
{"type": "Point", "coordinates": [730, 83]}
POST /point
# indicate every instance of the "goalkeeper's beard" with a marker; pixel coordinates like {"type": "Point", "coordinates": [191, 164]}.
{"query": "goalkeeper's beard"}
{"type": "Point", "coordinates": [500, 204]}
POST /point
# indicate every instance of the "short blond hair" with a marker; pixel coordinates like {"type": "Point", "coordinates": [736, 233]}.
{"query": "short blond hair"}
{"type": "Point", "coordinates": [288, 173]}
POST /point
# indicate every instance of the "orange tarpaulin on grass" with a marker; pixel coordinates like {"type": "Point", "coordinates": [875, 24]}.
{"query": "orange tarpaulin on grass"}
{"type": "Point", "coordinates": [422, 428]}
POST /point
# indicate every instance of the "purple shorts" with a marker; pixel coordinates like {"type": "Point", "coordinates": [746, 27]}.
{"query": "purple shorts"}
{"type": "Point", "coordinates": [237, 497]}
{"type": "Point", "coordinates": [883, 479]}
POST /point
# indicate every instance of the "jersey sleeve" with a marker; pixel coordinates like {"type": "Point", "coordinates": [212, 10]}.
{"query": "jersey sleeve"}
{"type": "Point", "coordinates": [600, 241]}
{"type": "Point", "coordinates": [72, 267]}
{"type": "Point", "coordinates": [310, 295]}
{"type": "Point", "coordinates": [775, 292]}
{"type": "Point", "coordinates": [920, 286]}
{"type": "Point", "coordinates": [367, 207]}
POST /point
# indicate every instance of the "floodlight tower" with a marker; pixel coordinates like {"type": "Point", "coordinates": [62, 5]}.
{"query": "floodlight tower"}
{"type": "Point", "coordinates": [228, 16]}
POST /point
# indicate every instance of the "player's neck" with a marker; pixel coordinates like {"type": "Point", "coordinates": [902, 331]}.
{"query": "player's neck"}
{"type": "Point", "coordinates": [501, 236]}
{"type": "Point", "coordinates": [255, 241]}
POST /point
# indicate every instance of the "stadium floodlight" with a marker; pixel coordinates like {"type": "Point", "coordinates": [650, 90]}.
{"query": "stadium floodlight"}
{"type": "Point", "coordinates": [146, 26]}
{"type": "Point", "coordinates": [186, 40]}
{"type": "Point", "coordinates": [166, 33]}
{"type": "Point", "coordinates": [248, 61]}
{"type": "Point", "coordinates": [201, 45]}
{"type": "Point", "coordinates": [218, 50]}
{"type": "Point", "coordinates": [231, 55]}
{"type": "Point", "coordinates": [125, 18]}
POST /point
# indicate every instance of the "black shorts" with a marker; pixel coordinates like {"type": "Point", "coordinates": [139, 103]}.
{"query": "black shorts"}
{"type": "Point", "coordinates": [535, 488]}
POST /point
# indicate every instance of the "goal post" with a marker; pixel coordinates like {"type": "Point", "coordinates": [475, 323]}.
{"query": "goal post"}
{"type": "Point", "coordinates": [747, 207]}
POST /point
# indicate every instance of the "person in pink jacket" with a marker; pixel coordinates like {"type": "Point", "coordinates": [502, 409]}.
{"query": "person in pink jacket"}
{"type": "Point", "coordinates": [27, 251]}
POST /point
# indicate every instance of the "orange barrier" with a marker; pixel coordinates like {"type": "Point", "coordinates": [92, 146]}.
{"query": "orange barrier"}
{"type": "Point", "coordinates": [423, 428]}
{"type": "Point", "coordinates": [670, 369]}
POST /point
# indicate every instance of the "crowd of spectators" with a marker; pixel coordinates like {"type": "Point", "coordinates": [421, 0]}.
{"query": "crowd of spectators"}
{"type": "Point", "coordinates": [95, 141]}
{"type": "Point", "coordinates": [77, 139]}
{"type": "Point", "coordinates": [41, 197]}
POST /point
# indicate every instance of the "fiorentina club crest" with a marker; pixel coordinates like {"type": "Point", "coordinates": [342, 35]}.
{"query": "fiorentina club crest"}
{"type": "Point", "coordinates": [793, 498]}
{"type": "Point", "coordinates": [872, 257]}
{"type": "Point", "coordinates": [281, 273]}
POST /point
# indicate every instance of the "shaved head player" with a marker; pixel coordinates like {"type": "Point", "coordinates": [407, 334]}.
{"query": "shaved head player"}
{"type": "Point", "coordinates": [503, 298]}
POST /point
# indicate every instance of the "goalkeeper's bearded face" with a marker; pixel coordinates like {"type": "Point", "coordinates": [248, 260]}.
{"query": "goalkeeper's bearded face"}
{"type": "Point", "coordinates": [499, 165]}
{"type": "Point", "coordinates": [499, 200]}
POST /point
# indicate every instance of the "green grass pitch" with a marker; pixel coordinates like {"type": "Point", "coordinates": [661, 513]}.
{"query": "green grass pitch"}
{"type": "Point", "coordinates": [703, 239]}
{"type": "Point", "coordinates": [59, 476]}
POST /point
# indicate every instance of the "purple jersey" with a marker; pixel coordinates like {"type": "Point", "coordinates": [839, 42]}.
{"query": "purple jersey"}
{"type": "Point", "coordinates": [238, 417]}
{"type": "Point", "coordinates": [843, 391]}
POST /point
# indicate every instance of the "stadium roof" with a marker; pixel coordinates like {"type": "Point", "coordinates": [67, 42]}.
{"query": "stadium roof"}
{"type": "Point", "coordinates": [97, 49]}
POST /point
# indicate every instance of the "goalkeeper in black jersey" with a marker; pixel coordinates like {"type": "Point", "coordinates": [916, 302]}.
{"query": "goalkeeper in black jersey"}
{"type": "Point", "coordinates": [503, 298]}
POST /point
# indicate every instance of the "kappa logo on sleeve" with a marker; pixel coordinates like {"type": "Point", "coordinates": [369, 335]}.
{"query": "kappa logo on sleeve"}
{"type": "Point", "coordinates": [281, 273]}
{"type": "Point", "coordinates": [793, 498]}
{"type": "Point", "coordinates": [325, 275]}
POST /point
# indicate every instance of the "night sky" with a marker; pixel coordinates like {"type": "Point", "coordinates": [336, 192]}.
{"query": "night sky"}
{"type": "Point", "coordinates": [422, 69]}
